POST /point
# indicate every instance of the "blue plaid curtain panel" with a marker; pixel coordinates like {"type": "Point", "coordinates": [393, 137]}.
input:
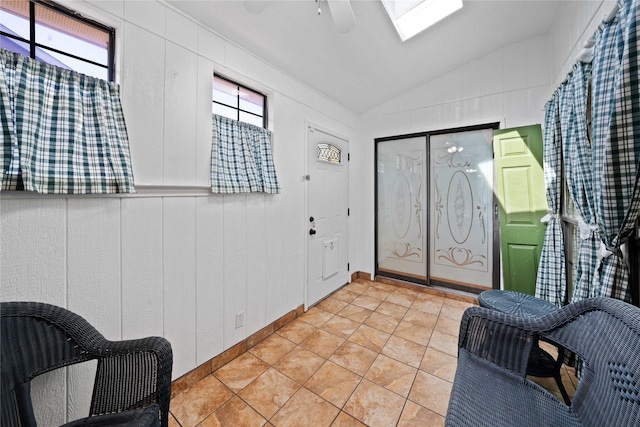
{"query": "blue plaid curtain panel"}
{"type": "Point", "coordinates": [616, 154]}
{"type": "Point", "coordinates": [578, 164]}
{"type": "Point", "coordinates": [551, 279]}
{"type": "Point", "coordinates": [241, 158]}
{"type": "Point", "coordinates": [67, 130]}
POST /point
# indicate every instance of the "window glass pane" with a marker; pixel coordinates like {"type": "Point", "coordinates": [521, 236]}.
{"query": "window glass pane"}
{"type": "Point", "coordinates": [13, 45]}
{"type": "Point", "coordinates": [250, 118]}
{"type": "Point", "coordinates": [60, 32]}
{"type": "Point", "coordinates": [69, 63]}
{"type": "Point", "coordinates": [225, 92]}
{"type": "Point", "coordinates": [13, 19]}
{"type": "Point", "coordinates": [225, 111]}
{"type": "Point", "coordinates": [251, 101]}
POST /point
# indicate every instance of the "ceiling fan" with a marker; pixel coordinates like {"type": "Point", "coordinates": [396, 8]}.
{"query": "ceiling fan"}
{"type": "Point", "coordinates": [341, 12]}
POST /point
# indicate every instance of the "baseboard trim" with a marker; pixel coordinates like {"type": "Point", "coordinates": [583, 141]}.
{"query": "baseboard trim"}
{"type": "Point", "coordinates": [190, 378]}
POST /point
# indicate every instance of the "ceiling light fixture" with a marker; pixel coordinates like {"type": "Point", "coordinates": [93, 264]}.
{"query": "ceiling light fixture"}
{"type": "Point", "coordinates": [410, 17]}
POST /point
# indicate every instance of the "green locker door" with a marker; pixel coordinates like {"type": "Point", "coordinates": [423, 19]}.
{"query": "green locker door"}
{"type": "Point", "coordinates": [521, 203]}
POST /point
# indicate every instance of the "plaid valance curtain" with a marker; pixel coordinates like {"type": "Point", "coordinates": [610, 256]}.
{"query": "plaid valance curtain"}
{"type": "Point", "coordinates": [616, 146]}
{"type": "Point", "coordinates": [551, 278]}
{"type": "Point", "coordinates": [241, 158]}
{"type": "Point", "coordinates": [63, 132]}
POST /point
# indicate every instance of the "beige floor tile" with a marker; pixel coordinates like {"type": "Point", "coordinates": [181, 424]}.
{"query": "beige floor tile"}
{"type": "Point", "coordinates": [269, 392]}
{"type": "Point", "coordinates": [374, 405]}
{"type": "Point", "coordinates": [382, 322]}
{"type": "Point", "coordinates": [345, 420]}
{"type": "Point", "coordinates": [331, 305]}
{"type": "Point", "coordinates": [370, 338]}
{"type": "Point", "coordinates": [341, 326]}
{"type": "Point", "coordinates": [322, 343]}
{"type": "Point", "coordinates": [234, 413]}
{"type": "Point", "coordinates": [414, 415]}
{"type": "Point", "coordinates": [367, 302]}
{"type": "Point", "coordinates": [345, 295]}
{"type": "Point", "coordinates": [172, 421]}
{"type": "Point", "coordinates": [296, 331]}
{"type": "Point", "coordinates": [450, 302]}
{"type": "Point", "coordinates": [355, 313]}
{"type": "Point", "coordinates": [333, 383]}
{"type": "Point", "coordinates": [391, 309]}
{"type": "Point", "coordinates": [412, 332]}
{"type": "Point", "coordinates": [392, 375]}
{"type": "Point", "coordinates": [317, 316]}
{"type": "Point", "coordinates": [358, 287]}
{"type": "Point", "coordinates": [440, 364]}
{"type": "Point", "coordinates": [431, 392]}
{"type": "Point", "coordinates": [299, 364]}
{"type": "Point", "coordinates": [354, 357]}
{"type": "Point", "coordinates": [404, 351]}
{"type": "Point", "coordinates": [452, 312]}
{"type": "Point", "coordinates": [422, 318]}
{"type": "Point", "coordinates": [199, 401]}
{"type": "Point", "coordinates": [444, 342]}
{"type": "Point", "coordinates": [404, 300]}
{"type": "Point", "coordinates": [432, 306]}
{"type": "Point", "coordinates": [238, 373]}
{"type": "Point", "coordinates": [448, 326]}
{"type": "Point", "coordinates": [272, 348]}
{"type": "Point", "coordinates": [305, 409]}
{"type": "Point", "coordinates": [377, 293]}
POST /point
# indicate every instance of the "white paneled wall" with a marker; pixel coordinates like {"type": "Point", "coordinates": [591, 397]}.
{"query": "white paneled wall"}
{"type": "Point", "coordinates": [182, 265]}
{"type": "Point", "coordinates": [574, 25]}
{"type": "Point", "coordinates": [178, 265]}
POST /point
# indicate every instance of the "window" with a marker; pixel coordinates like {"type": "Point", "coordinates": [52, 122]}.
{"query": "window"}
{"type": "Point", "coordinates": [56, 35]}
{"type": "Point", "coordinates": [238, 102]}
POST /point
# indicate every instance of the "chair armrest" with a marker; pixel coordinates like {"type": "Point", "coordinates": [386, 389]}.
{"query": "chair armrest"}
{"type": "Point", "coordinates": [132, 374]}
{"type": "Point", "coordinates": [500, 338]}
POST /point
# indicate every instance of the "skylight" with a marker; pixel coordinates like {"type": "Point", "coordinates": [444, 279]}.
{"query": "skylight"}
{"type": "Point", "coordinates": [413, 16]}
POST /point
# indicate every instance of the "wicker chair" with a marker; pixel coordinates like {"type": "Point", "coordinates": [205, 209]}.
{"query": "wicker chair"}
{"type": "Point", "coordinates": [133, 378]}
{"type": "Point", "coordinates": [490, 387]}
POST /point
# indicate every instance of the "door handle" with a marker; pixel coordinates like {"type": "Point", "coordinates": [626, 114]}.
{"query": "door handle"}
{"type": "Point", "coordinates": [312, 232]}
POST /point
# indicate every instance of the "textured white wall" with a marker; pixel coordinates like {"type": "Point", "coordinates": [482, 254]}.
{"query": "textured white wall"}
{"type": "Point", "coordinates": [181, 266]}
{"type": "Point", "coordinates": [175, 264]}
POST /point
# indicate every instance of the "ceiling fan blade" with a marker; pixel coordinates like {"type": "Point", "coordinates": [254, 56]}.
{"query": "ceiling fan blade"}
{"type": "Point", "coordinates": [342, 14]}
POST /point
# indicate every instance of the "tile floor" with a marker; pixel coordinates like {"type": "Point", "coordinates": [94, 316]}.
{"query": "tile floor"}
{"type": "Point", "coordinates": [371, 354]}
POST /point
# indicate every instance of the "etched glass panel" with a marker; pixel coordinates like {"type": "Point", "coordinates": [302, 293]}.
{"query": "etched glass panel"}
{"type": "Point", "coordinates": [329, 153]}
{"type": "Point", "coordinates": [461, 202]}
{"type": "Point", "coordinates": [401, 217]}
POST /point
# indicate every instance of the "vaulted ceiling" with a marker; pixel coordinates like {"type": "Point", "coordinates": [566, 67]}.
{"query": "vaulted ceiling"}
{"type": "Point", "coordinates": [369, 65]}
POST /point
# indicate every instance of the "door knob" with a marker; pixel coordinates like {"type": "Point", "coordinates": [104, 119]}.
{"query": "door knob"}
{"type": "Point", "coordinates": [312, 232]}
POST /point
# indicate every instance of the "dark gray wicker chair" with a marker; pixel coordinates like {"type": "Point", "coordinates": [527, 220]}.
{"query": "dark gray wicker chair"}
{"type": "Point", "coordinates": [133, 378]}
{"type": "Point", "coordinates": [490, 387]}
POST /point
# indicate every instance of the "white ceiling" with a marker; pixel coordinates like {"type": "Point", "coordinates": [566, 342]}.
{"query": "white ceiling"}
{"type": "Point", "coordinates": [369, 65]}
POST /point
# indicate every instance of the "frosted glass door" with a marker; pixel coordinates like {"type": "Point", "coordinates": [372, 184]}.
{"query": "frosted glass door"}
{"type": "Point", "coordinates": [461, 206]}
{"type": "Point", "coordinates": [401, 201]}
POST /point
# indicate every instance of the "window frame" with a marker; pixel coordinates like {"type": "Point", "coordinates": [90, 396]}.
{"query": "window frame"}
{"type": "Point", "coordinates": [238, 110]}
{"type": "Point", "coordinates": [72, 14]}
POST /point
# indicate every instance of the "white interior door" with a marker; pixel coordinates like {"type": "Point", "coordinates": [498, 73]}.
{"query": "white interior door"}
{"type": "Point", "coordinates": [327, 208]}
